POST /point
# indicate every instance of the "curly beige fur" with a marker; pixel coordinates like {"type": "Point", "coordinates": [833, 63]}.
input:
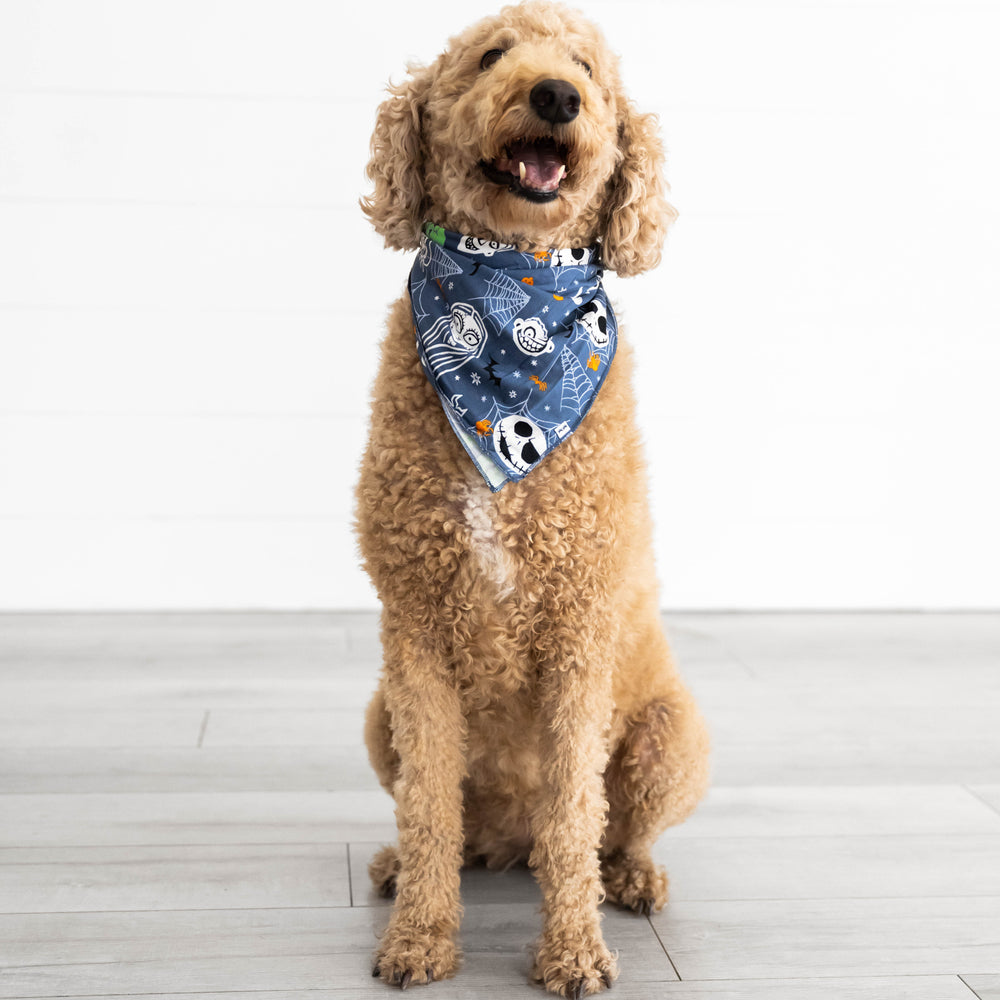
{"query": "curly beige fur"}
{"type": "Point", "coordinates": [529, 709]}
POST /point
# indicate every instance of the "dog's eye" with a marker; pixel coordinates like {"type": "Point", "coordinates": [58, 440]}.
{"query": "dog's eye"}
{"type": "Point", "coordinates": [491, 57]}
{"type": "Point", "coordinates": [586, 67]}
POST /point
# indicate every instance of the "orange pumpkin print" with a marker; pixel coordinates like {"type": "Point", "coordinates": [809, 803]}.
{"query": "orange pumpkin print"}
{"type": "Point", "coordinates": [529, 280]}
{"type": "Point", "coordinates": [484, 427]}
{"type": "Point", "coordinates": [542, 255]}
{"type": "Point", "coordinates": [594, 362]}
{"type": "Point", "coordinates": [541, 385]}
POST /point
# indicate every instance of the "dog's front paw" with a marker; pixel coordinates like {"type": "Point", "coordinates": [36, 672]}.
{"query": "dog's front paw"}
{"type": "Point", "coordinates": [412, 958]}
{"type": "Point", "coordinates": [636, 883]}
{"type": "Point", "coordinates": [575, 968]}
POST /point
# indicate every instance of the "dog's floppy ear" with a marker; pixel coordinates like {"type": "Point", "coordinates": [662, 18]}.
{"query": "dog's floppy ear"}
{"type": "Point", "coordinates": [396, 167]}
{"type": "Point", "coordinates": [636, 213]}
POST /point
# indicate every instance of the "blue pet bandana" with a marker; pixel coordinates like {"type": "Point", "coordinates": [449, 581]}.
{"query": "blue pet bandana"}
{"type": "Point", "coordinates": [516, 344]}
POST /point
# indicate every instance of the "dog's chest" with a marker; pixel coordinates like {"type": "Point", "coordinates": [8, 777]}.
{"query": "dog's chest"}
{"type": "Point", "coordinates": [493, 562]}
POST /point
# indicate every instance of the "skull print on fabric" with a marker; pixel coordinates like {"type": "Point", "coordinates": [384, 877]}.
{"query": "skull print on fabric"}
{"type": "Point", "coordinates": [595, 319]}
{"type": "Point", "coordinates": [516, 344]}
{"type": "Point", "coordinates": [520, 442]}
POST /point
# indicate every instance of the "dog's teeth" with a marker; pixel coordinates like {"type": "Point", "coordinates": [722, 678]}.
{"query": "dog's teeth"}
{"type": "Point", "coordinates": [562, 172]}
{"type": "Point", "coordinates": [522, 170]}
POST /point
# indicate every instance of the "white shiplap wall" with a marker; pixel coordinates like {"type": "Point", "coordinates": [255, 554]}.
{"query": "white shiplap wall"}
{"type": "Point", "coordinates": [190, 300]}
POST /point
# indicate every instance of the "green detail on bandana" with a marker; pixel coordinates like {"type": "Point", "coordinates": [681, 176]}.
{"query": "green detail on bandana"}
{"type": "Point", "coordinates": [436, 233]}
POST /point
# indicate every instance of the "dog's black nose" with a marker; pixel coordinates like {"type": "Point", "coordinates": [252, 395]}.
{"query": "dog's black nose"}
{"type": "Point", "coordinates": [555, 101]}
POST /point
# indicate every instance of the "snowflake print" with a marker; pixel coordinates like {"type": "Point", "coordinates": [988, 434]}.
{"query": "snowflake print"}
{"type": "Point", "coordinates": [534, 363]}
{"type": "Point", "coordinates": [545, 309]}
{"type": "Point", "coordinates": [483, 398]}
{"type": "Point", "coordinates": [513, 395]}
{"type": "Point", "coordinates": [503, 351]}
{"type": "Point", "coordinates": [458, 378]}
{"type": "Point", "coordinates": [515, 374]}
{"type": "Point", "coordinates": [547, 408]}
{"type": "Point", "coordinates": [474, 377]}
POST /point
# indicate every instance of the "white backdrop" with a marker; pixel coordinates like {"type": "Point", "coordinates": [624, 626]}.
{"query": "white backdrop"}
{"type": "Point", "coordinates": [190, 300]}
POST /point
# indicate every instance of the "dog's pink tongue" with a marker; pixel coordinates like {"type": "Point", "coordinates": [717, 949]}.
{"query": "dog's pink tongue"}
{"type": "Point", "coordinates": [542, 165]}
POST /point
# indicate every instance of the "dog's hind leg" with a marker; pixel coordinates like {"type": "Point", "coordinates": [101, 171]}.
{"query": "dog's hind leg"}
{"type": "Point", "coordinates": [378, 738]}
{"type": "Point", "coordinates": [384, 866]}
{"type": "Point", "coordinates": [428, 734]}
{"type": "Point", "coordinates": [383, 870]}
{"type": "Point", "coordinates": [656, 776]}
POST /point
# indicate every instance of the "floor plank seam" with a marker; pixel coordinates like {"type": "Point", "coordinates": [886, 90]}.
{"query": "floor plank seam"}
{"type": "Point", "coordinates": [961, 979]}
{"type": "Point", "coordinates": [989, 805]}
{"type": "Point", "coordinates": [350, 879]}
{"type": "Point", "coordinates": [171, 909]}
{"type": "Point", "coordinates": [187, 845]}
{"type": "Point", "coordinates": [664, 947]}
{"type": "Point", "coordinates": [862, 977]}
{"type": "Point", "coordinates": [172, 993]}
{"type": "Point", "coordinates": [840, 899]}
{"type": "Point", "coordinates": [204, 727]}
{"type": "Point", "coordinates": [750, 672]}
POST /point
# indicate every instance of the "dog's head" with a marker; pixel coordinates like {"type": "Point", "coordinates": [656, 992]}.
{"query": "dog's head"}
{"type": "Point", "coordinates": [520, 132]}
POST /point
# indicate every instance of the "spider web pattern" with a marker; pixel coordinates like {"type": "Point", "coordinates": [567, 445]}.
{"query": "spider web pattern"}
{"type": "Point", "coordinates": [504, 298]}
{"type": "Point", "coordinates": [417, 298]}
{"type": "Point", "coordinates": [575, 384]}
{"type": "Point", "coordinates": [438, 264]}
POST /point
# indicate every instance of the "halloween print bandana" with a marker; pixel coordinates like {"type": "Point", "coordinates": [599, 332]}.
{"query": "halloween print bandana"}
{"type": "Point", "coordinates": [516, 344]}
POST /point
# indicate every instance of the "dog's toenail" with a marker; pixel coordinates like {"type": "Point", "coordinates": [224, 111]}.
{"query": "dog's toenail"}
{"type": "Point", "coordinates": [407, 976]}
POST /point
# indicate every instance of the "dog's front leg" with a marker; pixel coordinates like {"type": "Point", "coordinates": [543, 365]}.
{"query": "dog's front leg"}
{"type": "Point", "coordinates": [572, 959]}
{"type": "Point", "coordinates": [428, 733]}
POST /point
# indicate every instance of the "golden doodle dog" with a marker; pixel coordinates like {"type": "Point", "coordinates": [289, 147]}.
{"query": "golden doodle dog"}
{"type": "Point", "coordinates": [529, 710]}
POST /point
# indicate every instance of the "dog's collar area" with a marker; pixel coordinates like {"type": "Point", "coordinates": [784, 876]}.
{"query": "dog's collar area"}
{"type": "Point", "coordinates": [531, 168]}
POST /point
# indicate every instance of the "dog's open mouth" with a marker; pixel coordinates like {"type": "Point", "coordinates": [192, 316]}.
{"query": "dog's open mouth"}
{"type": "Point", "coordinates": [531, 168]}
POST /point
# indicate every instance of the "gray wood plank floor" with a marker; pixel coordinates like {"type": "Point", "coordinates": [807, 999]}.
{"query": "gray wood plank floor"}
{"type": "Point", "coordinates": [186, 808]}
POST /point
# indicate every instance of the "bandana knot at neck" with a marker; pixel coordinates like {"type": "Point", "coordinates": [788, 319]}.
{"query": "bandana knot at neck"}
{"type": "Point", "coordinates": [516, 344]}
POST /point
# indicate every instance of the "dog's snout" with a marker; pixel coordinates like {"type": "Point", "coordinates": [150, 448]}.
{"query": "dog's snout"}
{"type": "Point", "coordinates": [555, 101]}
